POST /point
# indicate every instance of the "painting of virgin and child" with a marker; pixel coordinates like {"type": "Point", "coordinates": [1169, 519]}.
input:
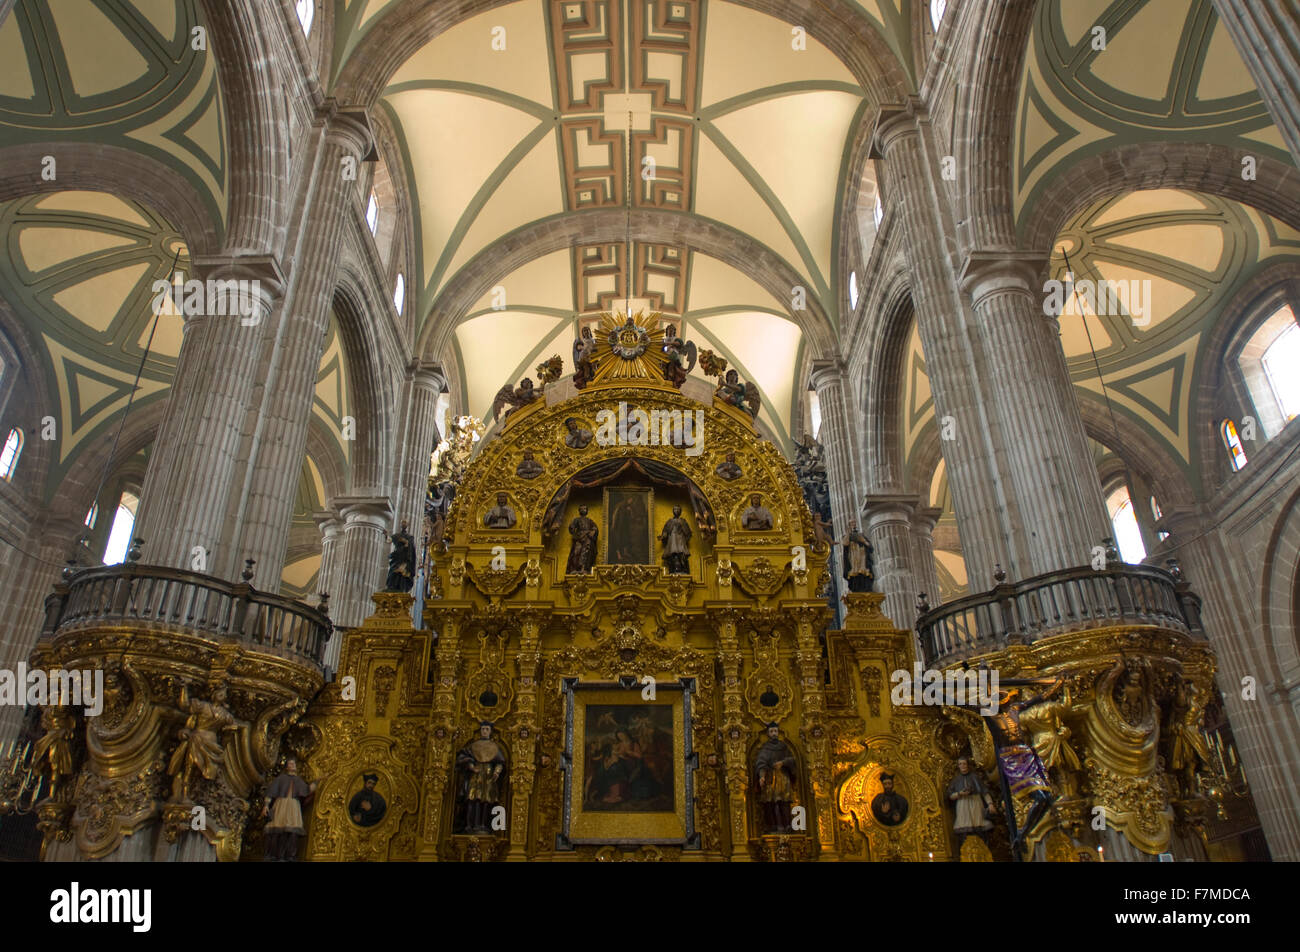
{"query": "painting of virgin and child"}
{"type": "Point", "coordinates": [629, 758]}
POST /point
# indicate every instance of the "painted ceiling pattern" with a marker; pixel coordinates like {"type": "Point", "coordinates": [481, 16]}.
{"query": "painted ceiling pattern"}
{"type": "Point", "coordinates": [1185, 255]}
{"type": "Point", "coordinates": [1167, 71]}
{"type": "Point", "coordinates": [582, 99]}
{"type": "Point", "coordinates": [119, 72]}
{"type": "Point", "coordinates": [79, 269]}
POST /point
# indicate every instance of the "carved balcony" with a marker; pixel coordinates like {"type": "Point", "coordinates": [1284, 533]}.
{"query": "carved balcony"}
{"type": "Point", "coordinates": [1054, 603]}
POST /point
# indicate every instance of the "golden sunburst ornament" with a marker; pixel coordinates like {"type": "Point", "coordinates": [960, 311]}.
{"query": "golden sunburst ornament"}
{"type": "Point", "coordinates": [629, 347]}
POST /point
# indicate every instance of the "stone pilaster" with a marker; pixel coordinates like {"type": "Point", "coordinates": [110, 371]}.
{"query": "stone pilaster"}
{"type": "Point", "coordinates": [924, 519]}
{"type": "Point", "coordinates": [969, 435]}
{"type": "Point", "coordinates": [1045, 452]}
{"type": "Point", "coordinates": [195, 460]}
{"type": "Point", "coordinates": [424, 381]}
{"type": "Point", "coordinates": [1267, 34]}
{"type": "Point", "coordinates": [362, 556]}
{"type": "Point", "coordinates": [887, 521]}
{"type": "Point", "coordinates": [331, 527]}
{"type": "Point", "coordinates": [266, 506]}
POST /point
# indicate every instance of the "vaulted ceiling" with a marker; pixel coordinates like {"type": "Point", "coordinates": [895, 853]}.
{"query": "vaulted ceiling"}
{"type": "Point", "coordinates": [524, 113]}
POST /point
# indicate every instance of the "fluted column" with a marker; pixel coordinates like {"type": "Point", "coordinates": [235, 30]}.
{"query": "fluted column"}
{"type": "Point", "coordinates": [837, 441]}
{"type": "Point", "coordinates": [328, 581]}
{"type": "Point", "coordinates": [924, 519]}
{"type": "Point", "coordinates": [424, 381]}
{"type": "Point", "coordinates": [1062, 515]}
{"type": "Point", "coordinates": [969, 435]}
{"type": "Point", "coordinates": [888, 524]}
{"type": "Point", "coordinates": [1267, 34]}
{"type": "Point", "coordinates": [266, 505]}
{"type": "Point", "coordinates": [29, 581]}
{"type": "Point", "coordinates": [362, 557]}
{"type": "Point", "coordinates": [192, 467]}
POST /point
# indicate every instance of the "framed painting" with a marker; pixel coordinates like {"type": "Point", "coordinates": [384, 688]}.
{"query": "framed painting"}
{"type": "Point", "coordinates": [629, 767]}
{"type": "Point", "coordinates": [628, 538]}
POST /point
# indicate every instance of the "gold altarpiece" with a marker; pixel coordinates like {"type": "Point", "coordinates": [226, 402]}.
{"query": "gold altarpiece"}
{"type": "Point", "coordinates": [743, 637]}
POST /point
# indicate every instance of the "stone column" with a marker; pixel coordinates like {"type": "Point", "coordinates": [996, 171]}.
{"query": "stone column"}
{"type": "Point", "coordinates": [30, 580]}
{"type": "Point", "coordinates": [362, 557]}
{"type": "Point", "coordinates": [331, 529]}
{"type": "Point", "coordinates": [1267, 34]}
{"type": "Point", "coordinates": [266, 504]}
{"type": "Point", "coordinates": [424, 381]}
{"type": "Point", "coordinates": [1044, 450]}
{"type": "Point", "coordinates": [888, 524]}
{"type": "Point", "coordinates": [984, 504]}
{"type": "Point", "coordinates": [837, 436]}
{"type": "Point", "coordinates": [924, 519]}
{"type": "Point", "coordinates": [194, 461]}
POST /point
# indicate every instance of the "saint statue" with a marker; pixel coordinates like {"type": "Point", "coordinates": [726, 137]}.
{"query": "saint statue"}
{"type": "Point", "coordinates": [528, 467]}
{"type": "Point", "coordinates": [1023, 769]}
{"type": "Point", "coordinates": [582, 549]}
{"type": "Point", "coordinates": [729, 469]}
{"type": "Point", "coordinates": [288, 794]}
{"type": "Point", "coordinates": [401, 562]}
{"type": "Point", "coordinates": [481, 765]}
{"type": "Point", "coordinates": [1187, 749]}
{"type": "Point", "coordinates": [676, 539]}
{"type": "Point", "coordinates": [774, 775]}
{"type": "Point", "coordinates": [971, 800]}
{"type": "Point", "coordinates": [857, 560]}
{"type": "Point", "coordinates": [584, 349]}
{"type": "Point", "coordinates": [500, 516]}
{"type": "Point", "coordinates": [55, 745]}
{"type": "Point", "coordinates": [889, 808]}
{"type": "Point", "coordinates": [681, 357]}
{"type": "Point", "coordinates": [575, 437]}
{"type": "Point", "coordinates": [367, 806]}
{"type": "Point", "coordinates": [757, 517]}
{"type": "Point", "coordinates": [199, 751]}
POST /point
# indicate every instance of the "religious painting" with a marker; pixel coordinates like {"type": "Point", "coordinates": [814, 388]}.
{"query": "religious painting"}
{"type": "Point", "coordinates": [629, 758]}
{"type": "Point", "coordinates": [629, 534]}
{"type": "Point", "coordinates": [629, 766]}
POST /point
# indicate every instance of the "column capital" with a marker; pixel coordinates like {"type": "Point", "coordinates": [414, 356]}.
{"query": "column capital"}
{"type": "Point", "coordinates": [899, 505]}
{"type": "Point", "coordinates": [427, 373]}
{"type": "Point", "coordinates": [826, 372]}
{"type": "Point", "coordinates": [373, 510]}
{"type": "Point", "coordinates": [328, 521]}
{"type": "Point", "coordinates": [992, 272]}
{"type": "Point", "coordinates": [264, 269]}
{"type": "Point", "coordinates": [350, 127]}
{"type": "Point", "coordinates": [892, 122]}
{"type": "Point", "coordinates": [926, 518]}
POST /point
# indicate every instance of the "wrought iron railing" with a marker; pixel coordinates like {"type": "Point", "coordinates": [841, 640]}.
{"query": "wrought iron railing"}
{"type": "Point", "coordinates": [1055, 603]}
{"type": "Point", "coordinates": [157, 596]}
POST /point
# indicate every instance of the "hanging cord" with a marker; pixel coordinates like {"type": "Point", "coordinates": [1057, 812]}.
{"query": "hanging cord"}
{"type": "Point", "coordinates": [135, 386]}
{"type": "Point", "coordinates": [627, 287]}
{"type": "Point", "coordinates": [1105, 393]}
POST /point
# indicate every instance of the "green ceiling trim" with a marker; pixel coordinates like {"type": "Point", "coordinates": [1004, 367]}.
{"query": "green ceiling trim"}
{"type": "Point", "coordinates": [1169, 416]}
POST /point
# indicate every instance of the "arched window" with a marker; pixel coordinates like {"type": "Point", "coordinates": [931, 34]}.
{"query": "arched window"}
{"type": "Point", "coordinates": [9, 456]}
{"type": "Point", "coordinates": [399, 293]}
{"type": "Point", "coordinates": [1157, 514]}
{"type": "Point", "coordinates": [372, 213]}
{"type": "Point", "coordinates": [814, 411]}
{"type": "Point", "coordinates": [878, 212]}
{"type": "Point", "coordinates": [1232, 441]}
{"type": "Point", "coordinates": [937, 10]}
{"type": "Point", "coordinates": [853, 290]}
{"type": "Point", "coordinates": [306, 12]}
{"type": "Point", "coordinates": [119, 537]}
{"type": "Point", "coordinates": [1282, 368]}
{"type": "Point", "coordinates": [1123, 521]}
{"type": "Point", "coordinates": [92, 516]}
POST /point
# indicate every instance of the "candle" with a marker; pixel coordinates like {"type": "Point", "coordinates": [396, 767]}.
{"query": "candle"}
{"type": "Point", "coordinates": [932, 857]}
{"type": "Point", "coordinates": [1101, 854]}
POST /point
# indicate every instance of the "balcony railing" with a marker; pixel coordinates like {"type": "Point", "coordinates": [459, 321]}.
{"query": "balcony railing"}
{"type": "Point", "coordinates": [156, 596]}
{"type": "Point", "coordinates": [1055, 603]}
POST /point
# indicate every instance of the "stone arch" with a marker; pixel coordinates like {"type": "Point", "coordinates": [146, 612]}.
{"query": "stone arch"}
{"type": "Point", "coordinates": [1271, 283]}
{"type": "Point", "coordinates": [1280, 595]}
{"type": "Point", "coordinates": [371, 388]}
{"type": "Point", "coordinates": [1138, 450]}
{"type": "Point", "coordinates": [410, 24]}
{"type": "Point", "coordinates": [126, 174]}
{"type": "Point", "coordinates": [884, 380]}
{"type": "Point", "coordinates": [257, 124]}
{"type": "Point", "coordinates": [563, 231]}
{"type": "Point", "coordinates": [1194, 166]}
